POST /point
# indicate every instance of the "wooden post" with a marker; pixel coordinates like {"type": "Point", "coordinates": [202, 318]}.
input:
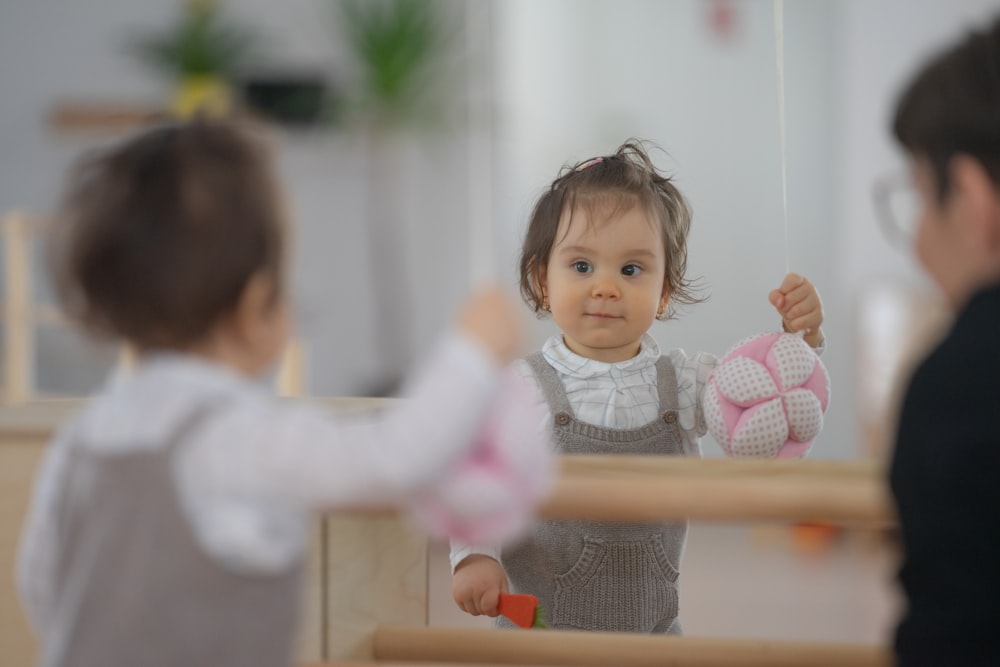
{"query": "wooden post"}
{"type": "Point", "coordinates": [290, 380]}
{"type": "Point", "coordinates": [18, 341]}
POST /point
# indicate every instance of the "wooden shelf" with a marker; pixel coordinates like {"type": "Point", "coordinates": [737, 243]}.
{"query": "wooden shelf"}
{"type": "Point", "coordinates": [103, 117]}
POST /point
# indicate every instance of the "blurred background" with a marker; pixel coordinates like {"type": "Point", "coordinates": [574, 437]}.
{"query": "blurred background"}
{"type": "Point", "coordinates": [414, 137]}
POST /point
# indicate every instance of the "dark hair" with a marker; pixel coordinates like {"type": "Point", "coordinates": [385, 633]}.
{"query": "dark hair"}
{"type": "Point", "coordinates": [953, 106]}
{"type": "Point", "coordinates": [157, 238]}
{"type": "Point", "coordinates": [625, 179]}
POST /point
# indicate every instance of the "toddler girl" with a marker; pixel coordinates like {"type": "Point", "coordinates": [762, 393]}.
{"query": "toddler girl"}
{"type": "Point", "coordinates": [605, 254]}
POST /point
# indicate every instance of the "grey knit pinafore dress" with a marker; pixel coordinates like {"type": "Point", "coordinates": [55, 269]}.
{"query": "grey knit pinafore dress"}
{"type": "Point", "coordinates": [595, 575]}
{"type": "Point", "coordinates": [134, 587]}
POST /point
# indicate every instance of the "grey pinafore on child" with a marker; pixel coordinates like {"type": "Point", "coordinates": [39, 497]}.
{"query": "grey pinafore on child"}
{"type": "Point", "coordinates": [133, 587]}
{"type": "Point", "coordinates": [596, 575]}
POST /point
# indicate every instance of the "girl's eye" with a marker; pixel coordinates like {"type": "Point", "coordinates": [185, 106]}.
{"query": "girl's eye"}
{"type": "Point", "coordinates": [582, 267]}
{"type": "Point", "coordinates": [631, 270]}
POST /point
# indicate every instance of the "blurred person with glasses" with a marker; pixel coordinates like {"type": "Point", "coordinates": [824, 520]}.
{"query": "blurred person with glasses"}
{"type": "Point", "coordinates": [945, 471]}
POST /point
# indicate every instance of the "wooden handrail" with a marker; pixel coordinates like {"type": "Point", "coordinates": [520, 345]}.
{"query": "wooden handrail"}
{"type": "Point", "coordinates": [603, 649]}
{"type": "Point", "coordinates": [609, 466]}
{"type": "Point", "coordinates": [658, 488]}
{"type": "Point", "coordinates": [626, 487]}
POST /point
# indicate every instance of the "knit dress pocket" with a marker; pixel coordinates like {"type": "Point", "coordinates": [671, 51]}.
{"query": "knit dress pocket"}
{"type": "Point", "coordinates": [617, 586]}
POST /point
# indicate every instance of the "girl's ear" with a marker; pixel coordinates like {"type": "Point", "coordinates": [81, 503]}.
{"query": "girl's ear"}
{"type": "Point", "coordinates": [539, 274]}
{"type": "Point", "coordinates": [665, 296]}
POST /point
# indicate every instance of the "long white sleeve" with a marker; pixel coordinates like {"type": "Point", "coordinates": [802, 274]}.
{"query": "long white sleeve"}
{"type": "Point", "coordinates": [304, 458]}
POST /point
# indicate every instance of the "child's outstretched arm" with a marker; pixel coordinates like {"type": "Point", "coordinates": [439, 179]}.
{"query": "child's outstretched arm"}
{"type": "Point", "coordinates": [478, 582]}
{"type": "Point", "coordinates": [307, 459]}
{"type": "Point", "coordinates": [800, 307]}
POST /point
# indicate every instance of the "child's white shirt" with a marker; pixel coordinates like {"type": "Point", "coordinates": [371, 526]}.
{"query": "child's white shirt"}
{"type": "Point", "coordinates": [251, 475]}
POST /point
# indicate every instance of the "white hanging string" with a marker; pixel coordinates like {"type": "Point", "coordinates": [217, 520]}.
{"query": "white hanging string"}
{"type": "Point", "coordinates": [779, 57]}
{"type": "Point", "coordinates": [779, 54]}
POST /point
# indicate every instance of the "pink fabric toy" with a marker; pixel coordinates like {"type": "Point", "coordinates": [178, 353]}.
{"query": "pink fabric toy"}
{"type": "Point", "coordinates": [767, 397]}
{"type": "Point", "coordinates": [491, 494]}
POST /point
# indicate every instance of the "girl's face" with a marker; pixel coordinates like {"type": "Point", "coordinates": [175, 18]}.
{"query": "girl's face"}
{"type": "Point", "coordinates": [604, 281]}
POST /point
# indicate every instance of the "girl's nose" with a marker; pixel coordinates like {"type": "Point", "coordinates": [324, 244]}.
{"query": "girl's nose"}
{"type": "Point", "coordinates": [605, 287]}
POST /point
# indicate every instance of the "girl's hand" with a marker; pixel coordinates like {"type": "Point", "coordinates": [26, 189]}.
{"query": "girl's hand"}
{"type": "Point", "coordinates": [477, 584]}
{"type": "Point", "coordinates": [491, 318]}
{"type": "Point", "coordinates": [800, 307]}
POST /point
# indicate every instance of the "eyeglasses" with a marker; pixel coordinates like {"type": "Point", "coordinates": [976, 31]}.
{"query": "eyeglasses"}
{"type": "Point", "coordinates": [897, 206]}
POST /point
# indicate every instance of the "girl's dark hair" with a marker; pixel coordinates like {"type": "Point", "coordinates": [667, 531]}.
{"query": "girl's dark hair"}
{"type": "Point", "coordinates": [611, 184]}
{"type": "Point", "coordinates": [953, 106]}
{"type": "Point", "coordinates": [157, 238]}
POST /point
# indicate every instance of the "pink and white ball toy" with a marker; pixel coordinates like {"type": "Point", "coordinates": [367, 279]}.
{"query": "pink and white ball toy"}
{"type": "Point", "coordinates": [767, 397]}
{"type": "Point", "coordinates": [490, 495]}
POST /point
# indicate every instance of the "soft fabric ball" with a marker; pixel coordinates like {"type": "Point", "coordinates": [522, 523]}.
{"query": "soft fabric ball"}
{"type": "Point", "coordinates": [490, 495]}
{"type": "Point", "coordinates": [767, 397]}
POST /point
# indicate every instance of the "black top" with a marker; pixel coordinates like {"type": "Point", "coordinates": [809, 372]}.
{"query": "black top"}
{"type": "Point", "coordinates": [945, 479]}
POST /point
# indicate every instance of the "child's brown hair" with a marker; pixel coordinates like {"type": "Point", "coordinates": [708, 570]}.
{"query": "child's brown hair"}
{"type": "Point", "coordinates": [952, 106]}
{"type": "Point", "coordinates": [157, 238]}
{"type": "Point", "coordinates": [611, 183]}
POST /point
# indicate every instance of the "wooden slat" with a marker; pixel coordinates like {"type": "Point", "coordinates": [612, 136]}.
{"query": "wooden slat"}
{"type": "Point", "coordinates": [19, 339]}
{"type": "Point", "coordinates": [608, 466]}
{"type": "Point", "coordinates": [604, 649]}
{"type": "Point", "coordinates": [291, 377]}
{"type": "Point", "coordinates": [103, 117]}
{"type": "Point", "coordinates": [645, 488]}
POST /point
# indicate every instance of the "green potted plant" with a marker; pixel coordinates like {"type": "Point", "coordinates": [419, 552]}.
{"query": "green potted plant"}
{"type": "Point", "coordinates": [202, 52]}
{"type": "Point", "coordinates": [400, 49]}
{"type": "Point", "coordinates": [403, 80]}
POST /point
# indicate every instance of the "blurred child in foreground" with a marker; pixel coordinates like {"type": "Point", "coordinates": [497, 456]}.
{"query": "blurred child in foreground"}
{"type": "Point", "coordinates": [171, 517]}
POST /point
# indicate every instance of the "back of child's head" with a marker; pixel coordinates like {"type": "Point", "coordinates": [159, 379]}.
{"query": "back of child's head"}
{"type": "Point", "coordinates": [603, 187]}
{"type": "Point", "coordinates": [157, 238]}
{"type": "Point", "coordinates": [952, 106]}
